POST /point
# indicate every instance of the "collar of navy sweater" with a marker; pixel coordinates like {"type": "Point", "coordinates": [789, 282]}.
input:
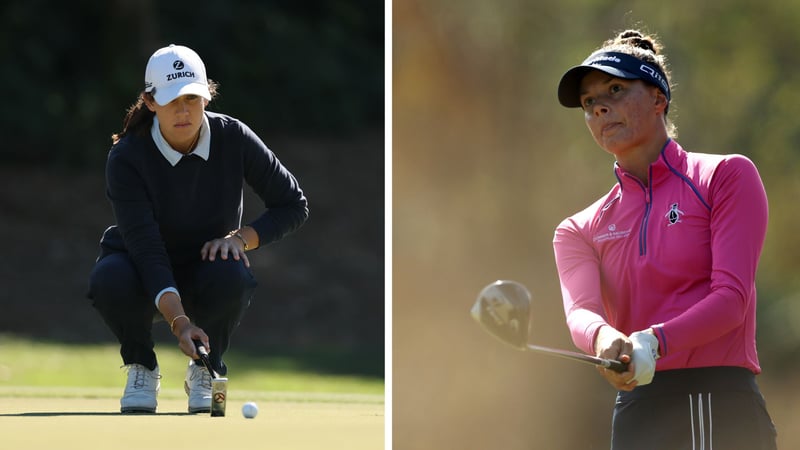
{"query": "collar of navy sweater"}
{"type": "Point", "coordinates": [202, 149]}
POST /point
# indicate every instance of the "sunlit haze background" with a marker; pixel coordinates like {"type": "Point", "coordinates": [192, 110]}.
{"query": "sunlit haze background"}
{"type": "Point", "coordinates": [486, 163]}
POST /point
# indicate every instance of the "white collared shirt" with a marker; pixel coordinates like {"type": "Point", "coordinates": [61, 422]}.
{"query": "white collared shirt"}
{"type": "Point", "coordinates": [202, 149]}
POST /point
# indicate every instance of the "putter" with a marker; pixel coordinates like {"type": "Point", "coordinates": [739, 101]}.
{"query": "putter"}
{"type": "Point", "coordinates": [219, 385]}
{"type": "Point", "coordinates": [503, 309]}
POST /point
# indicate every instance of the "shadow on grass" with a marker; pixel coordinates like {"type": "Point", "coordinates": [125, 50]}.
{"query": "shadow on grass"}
{"type": "Point", "coordinates": [90, 413]}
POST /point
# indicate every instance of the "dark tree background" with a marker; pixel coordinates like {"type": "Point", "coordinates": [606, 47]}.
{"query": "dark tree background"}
{"type": "Point", "coordinates": [308, 77]}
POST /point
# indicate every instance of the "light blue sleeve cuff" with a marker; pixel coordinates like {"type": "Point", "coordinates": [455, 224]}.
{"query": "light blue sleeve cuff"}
{"type": "Point", "coordinates": [164, 291]}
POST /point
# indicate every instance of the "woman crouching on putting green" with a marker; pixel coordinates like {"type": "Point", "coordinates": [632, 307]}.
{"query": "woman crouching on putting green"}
{"type": "Point", "coordinates": [660, 272]}
{"type": "Point", "coordinates": [174, 177]}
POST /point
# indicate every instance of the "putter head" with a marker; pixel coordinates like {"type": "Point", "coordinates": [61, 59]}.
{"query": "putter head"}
{"type": "Point", "coordinates": [219, 385]}
{"type": "Point", "coordinates": [502, 309]}
{"type": "Point", "coordinates": [219, 394]}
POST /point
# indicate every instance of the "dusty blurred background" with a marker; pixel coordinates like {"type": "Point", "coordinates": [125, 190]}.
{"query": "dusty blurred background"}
{"type": "Point", "coordinates": [486, 163]}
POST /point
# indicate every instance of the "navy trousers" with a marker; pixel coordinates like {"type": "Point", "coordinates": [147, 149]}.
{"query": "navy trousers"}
{"type": "Point", "coordinates": [692, 409]}
{"type": "Point", "coordinates": [214, 294]}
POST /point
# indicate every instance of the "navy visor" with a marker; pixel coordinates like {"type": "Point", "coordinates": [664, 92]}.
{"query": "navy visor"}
{"type": "Point", "coordinates": [620, 65]}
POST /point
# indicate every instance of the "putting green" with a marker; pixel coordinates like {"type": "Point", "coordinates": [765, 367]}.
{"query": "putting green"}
{"type": "Point", "coordinates": [32, 422]}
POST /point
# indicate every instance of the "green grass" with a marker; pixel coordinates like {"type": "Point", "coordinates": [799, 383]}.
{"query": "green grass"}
{"type": "Point", "coordinates": [30, 367]}
{"type": "Point", "coordinates": [70, 390]}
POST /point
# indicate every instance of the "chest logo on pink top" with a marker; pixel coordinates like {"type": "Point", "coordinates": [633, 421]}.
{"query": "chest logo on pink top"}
{"type": "Point", "coordinates": [673, 215]}
{"type": "Point", "coordinates": [613, 233]}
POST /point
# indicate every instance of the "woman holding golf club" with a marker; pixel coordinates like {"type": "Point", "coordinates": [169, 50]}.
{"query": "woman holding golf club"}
{"type": "Point", "coordinates": [660, 271]}
{"type": "Point", "coordinates": [174, 177]}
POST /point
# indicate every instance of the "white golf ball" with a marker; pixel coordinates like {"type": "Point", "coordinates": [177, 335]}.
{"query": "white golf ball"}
{"type": "Point", "coordinates": [249, 410]}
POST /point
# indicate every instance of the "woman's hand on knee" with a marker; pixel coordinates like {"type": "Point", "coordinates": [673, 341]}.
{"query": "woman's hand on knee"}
{"type": "Point", "coordinates": [227, 246]}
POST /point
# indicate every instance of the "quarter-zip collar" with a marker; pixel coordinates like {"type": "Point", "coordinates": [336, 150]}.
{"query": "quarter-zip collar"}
{"type": "Point", "coordinates": [671, 161]}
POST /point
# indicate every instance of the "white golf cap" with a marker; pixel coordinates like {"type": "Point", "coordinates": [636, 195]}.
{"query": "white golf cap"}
{"type": "Point", "coordinates": [174, 71]}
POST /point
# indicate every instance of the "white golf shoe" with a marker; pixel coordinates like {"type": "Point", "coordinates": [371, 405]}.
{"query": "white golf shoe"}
{"type": "Point", "coordinates": [141, 390]}
{"type": "Point", "coordinates": [198, 387]}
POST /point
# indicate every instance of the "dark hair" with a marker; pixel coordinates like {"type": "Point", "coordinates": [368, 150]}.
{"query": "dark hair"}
{"type": "Point", "coordinates": [647, 48]}
{"type": "Point", "coordinates": [139, 119]}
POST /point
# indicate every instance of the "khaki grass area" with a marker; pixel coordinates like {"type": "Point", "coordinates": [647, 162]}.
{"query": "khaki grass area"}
{"type": "Point", "coordinates": [93, 423]}
{"type": "Point", "coordinates": [67, 397]}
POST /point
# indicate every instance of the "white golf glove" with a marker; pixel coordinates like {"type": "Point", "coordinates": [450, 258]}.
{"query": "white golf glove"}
{"type": "Point", "coordinates": [645, 353]}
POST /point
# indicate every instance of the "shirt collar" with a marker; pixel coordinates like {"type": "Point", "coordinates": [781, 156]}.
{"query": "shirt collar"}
{"type": "Point", "coordinates": [671, 160]}
{"type": "Point", "coordinates": [202, 149]}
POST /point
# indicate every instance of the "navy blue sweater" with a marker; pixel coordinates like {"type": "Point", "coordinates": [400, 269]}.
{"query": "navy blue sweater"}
{"type": "Point", "coordinates": [165, 214]}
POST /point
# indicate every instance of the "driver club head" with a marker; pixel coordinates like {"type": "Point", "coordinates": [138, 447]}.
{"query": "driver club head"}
{"type": "Point", "coordinates": [503, 309]}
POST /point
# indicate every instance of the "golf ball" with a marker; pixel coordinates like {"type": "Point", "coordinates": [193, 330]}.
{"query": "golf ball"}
{"type": "Point", "coordinates": [249, 410]}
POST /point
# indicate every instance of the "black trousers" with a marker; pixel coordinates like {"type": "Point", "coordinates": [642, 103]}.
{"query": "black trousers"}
{"type": "Point", "coordinates": [692, 409]}
{"type": "Point", "coordinates": [214, 294]}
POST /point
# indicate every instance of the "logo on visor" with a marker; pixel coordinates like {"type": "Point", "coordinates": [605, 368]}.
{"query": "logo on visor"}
{"type": "Point", "coordinates": [603, 58]}
{"type": "Point", "coordinates": [654, 74]}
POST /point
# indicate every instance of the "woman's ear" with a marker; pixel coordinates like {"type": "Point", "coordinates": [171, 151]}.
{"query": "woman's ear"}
{"type": "Point", "coordinates": [660, 101]}
{"type": "Point", "coordinates": [149, 102]}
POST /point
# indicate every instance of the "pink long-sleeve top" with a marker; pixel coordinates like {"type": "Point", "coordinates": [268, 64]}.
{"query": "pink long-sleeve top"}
{"type": "Point", "coordinates": [678, 254]}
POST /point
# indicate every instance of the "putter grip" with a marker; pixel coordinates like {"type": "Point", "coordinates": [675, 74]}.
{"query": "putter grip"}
{"type": "Point", "coordinates": [201, 350]}
{"type": "Point", "coordinates": [617, 366]}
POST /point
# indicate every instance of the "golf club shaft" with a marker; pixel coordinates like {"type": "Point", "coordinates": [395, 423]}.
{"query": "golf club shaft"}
{"type": "Point", "coordinates": [502, 309]}
{"type": "Point", "coordinates": [611, 364]}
